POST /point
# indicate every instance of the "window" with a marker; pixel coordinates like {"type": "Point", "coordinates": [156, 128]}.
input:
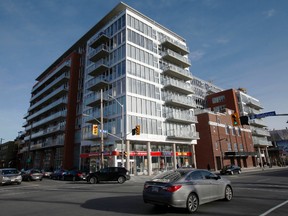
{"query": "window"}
{"type": "Point", "coordinates": [218, 99]}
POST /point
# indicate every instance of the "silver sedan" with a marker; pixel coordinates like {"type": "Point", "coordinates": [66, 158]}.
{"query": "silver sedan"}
{"type": "Point", "coordinates": [186, 188]}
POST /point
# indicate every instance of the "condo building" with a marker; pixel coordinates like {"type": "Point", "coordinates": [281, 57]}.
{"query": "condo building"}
{"type": "Point", "coordinates": [244, 105]}
{"type": "Point", "coordinates": [126, 72]}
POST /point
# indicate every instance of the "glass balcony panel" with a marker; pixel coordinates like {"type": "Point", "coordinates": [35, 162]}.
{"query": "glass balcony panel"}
{"type": "Point", "coordinates": [177, 72]}
{"type": "Point", "coordinates": [176, 58]}
{"type": "Point", "coordinates": [174, 45]}
{"type": "Point", "coordinates": [176, 85]}
{"type": "Point", "coordinates": [99, 39]}
{"type": "Point", "coordinates": [101, 52]}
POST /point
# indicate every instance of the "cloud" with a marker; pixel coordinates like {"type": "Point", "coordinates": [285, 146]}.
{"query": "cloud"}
{"type": "Point", "coordinates": [222, 41]}
{"type": "Point", "coordinates": [196, 55]}
{"type": "Point", "coordinates": [269, 13]}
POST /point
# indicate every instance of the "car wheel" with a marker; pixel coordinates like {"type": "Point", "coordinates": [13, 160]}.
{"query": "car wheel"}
{"type": "Point", "coordinates": [121, 179]}
{"type": "Point", "coordinates": [192, 203]}
{"type": "Point", "coordinates": [228, 193]}
{"type": "Point", "coordinates": [18, 183]}
{"type": "Point", "coordinates": [93, 180]}
{"type": "Point", "coordinates": [40, 179]}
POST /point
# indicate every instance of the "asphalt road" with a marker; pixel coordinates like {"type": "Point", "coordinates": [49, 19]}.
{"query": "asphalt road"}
{"type": "Point", "coordinates": [255, 193]}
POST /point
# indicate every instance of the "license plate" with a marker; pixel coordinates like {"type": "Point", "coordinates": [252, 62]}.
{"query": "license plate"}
{"type": "Point", "coordinates": [155, 189]}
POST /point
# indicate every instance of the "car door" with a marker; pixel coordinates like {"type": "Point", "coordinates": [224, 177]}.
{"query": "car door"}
{"type": "Point", "coordinates": [215, 184]}
{"type": "Point", "coordinates": [200, 185]}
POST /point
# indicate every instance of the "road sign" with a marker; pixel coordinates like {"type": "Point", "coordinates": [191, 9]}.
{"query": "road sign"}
{"type": "Point", "coordinates": [263, 115]}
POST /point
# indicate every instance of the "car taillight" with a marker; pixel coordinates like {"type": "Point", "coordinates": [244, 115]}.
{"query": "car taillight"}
{"type": "Point", "coordinates": [173, 188]}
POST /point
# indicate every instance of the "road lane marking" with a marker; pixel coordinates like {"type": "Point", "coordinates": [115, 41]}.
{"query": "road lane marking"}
{"type": "Point", "coordinates": [272, 209]}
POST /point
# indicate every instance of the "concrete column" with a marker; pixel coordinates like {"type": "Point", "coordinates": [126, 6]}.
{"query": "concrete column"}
{"type": "Point", "coordinates": [174, 156]}
{"type": "Point", "coordinates": [128, 155]}
{"type": "Point", "coordinates": [267, 156]}
{"type": "Point", "coordinates": [193, 156]}
{"type": "Point", "coordinates": [149, 158]}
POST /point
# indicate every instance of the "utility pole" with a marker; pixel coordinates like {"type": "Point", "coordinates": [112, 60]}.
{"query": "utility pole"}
{"type": "Point", "coordinates": [1, 139]}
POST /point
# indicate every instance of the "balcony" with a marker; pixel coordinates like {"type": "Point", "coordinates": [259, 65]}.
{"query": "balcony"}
{"type": "Point", "coordinates": [101, 38]}
{"type": "Point", "coordinates": [55, 93]}
{"type": "Point", "coordinates": [97, 83]}
{"type": "Point", "coordinates": [260, 132]}
{"type": "Point", "coordinates": [53, 117]}
{"type": "Point", "coordinates": [101, 52]}
{"type": "Point", "coordinates": [174, 45]}
{"type": "Point", "coordinates": [54, 104]}
{"type": "Point", "coordinates": [179, 101]}
{"type": "Point", "coordinates": [58, 81]}
{"type": "Point", "coordinates": [97, 68]}
{"type": "Point", "coordinates": [261, 142]}
{"type": "Point", "coordinates": [182, 134]}
{"type": "Point", "coordinates": [182, 117]}
{"type": "Point", "coordinates": [257, 123]}
{"type": "Point", "coordinates": [177, 86]}
{"type": "Point", "coordinates": [254, 104]}
{"type": "Point", "coordinates": [177, 72]}
{"type": "Point", "coordinates": [64, 66]}
{"type": "Point", "coordinates": [95, 118]}
{"type": "Point", "coordinates": [176, 58]}
{"type": "Point", "coordinates": [95, 99]}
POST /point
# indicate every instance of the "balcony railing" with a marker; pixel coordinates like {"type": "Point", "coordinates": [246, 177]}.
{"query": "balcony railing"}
{"type": "Point", "coordinates": [184, 117]}
{"type": "Point", "coordinates": [53, 117]}
{"type": "Point", "coordinates": [97, 68]}
{"type": "Point", "coordinates": [64, 77]}
{"type": "Point", "coordinates": [174, 45]}
{"type": "Point", "coordinates": [97, 83]}
{"type": "Point", "coordinates": [50, 106]}
{"type": "Point", "coordinates": [65, 65]}
{"type": "Point", "coordinates": [176, 85]}
{"type": "Point", "coordinates": [176, 58]}
{"type": "Point", "coordinates": [177, 72]}
{"type": "Point", "coordinates": [182, 134]}
{"type": "Point", "coordinates": [95, 99]}
{"type": "Point", "coordinates": [101, 52]}
{"type": "Point", "coordinates": [254, 103]}
{"type": "Point", "coordinates": [178, 100]}
{"type": "Point", "coordinates": [257, 122]}
{"type": "Point", "coordinates": [259, 141]}
{"type": "Point", "coordinates": [260, 132]}
{"type": "Point", "coordinates": [99, 39]}
{"type": "Point", "coordinates": [54, 93]}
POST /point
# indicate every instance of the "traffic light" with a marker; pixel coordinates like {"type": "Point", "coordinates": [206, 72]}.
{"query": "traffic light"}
{"type": "Point", "coordinates": [244, 120]}
{"type": "Point", "coordinates": [137, 129]}
{"type": "Point", "coordinates": [125, 154]}
{"type": "Point", "coordinates": [95, 129]}
{"type": "Point", "coordinates": [235, 119]}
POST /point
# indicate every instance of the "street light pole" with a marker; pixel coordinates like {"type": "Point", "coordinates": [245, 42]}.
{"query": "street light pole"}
{"type": "Point", "coordinates": [122, 129]}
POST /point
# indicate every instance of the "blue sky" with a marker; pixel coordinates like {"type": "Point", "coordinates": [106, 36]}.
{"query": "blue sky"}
{"type": "Point", "coordinates": [233, 43]}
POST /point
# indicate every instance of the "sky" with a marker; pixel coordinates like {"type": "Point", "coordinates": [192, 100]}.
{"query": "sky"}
{"type": "Point", "coordinates": [233, 43]}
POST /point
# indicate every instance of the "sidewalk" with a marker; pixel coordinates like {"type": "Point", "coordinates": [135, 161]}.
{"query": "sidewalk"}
{"type": "Point", "coordinates": [143, 178]}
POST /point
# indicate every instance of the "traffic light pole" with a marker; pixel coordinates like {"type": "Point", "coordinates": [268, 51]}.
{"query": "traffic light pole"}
{"type": "Point", "coordinates": [122, 129]}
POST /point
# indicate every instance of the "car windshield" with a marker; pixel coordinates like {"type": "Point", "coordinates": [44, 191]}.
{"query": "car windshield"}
{"type": "Point", "coordinates": [12, 171]}
{"type": "Point", "coordinates": [169, 176]}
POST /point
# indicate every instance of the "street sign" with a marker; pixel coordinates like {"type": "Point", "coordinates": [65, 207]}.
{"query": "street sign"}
{"type": "Point", "coordinates": [262, 115]}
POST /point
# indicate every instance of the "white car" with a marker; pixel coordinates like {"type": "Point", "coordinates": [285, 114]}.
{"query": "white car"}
{"type": "Point", "coordinates": [10, 176]}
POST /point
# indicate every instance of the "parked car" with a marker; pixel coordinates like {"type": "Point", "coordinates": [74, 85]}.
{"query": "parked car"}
{"type": "Point", "coordinates": [10, 176]}
{"type": "Point", "coordinates": [32, 175]}
{"type": "Point", "coordinates": [46, 173]}
{"type": "Point", "coordinates": [230, 169]}
{"type": "Point", "coordinates": [74, 175]}
{"type": "Point", "coordinates": [58, 174]}
{"type": "Point", "coordinates": [186, 188]}
{"type": "Point", "coordinates": [119, 174]}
